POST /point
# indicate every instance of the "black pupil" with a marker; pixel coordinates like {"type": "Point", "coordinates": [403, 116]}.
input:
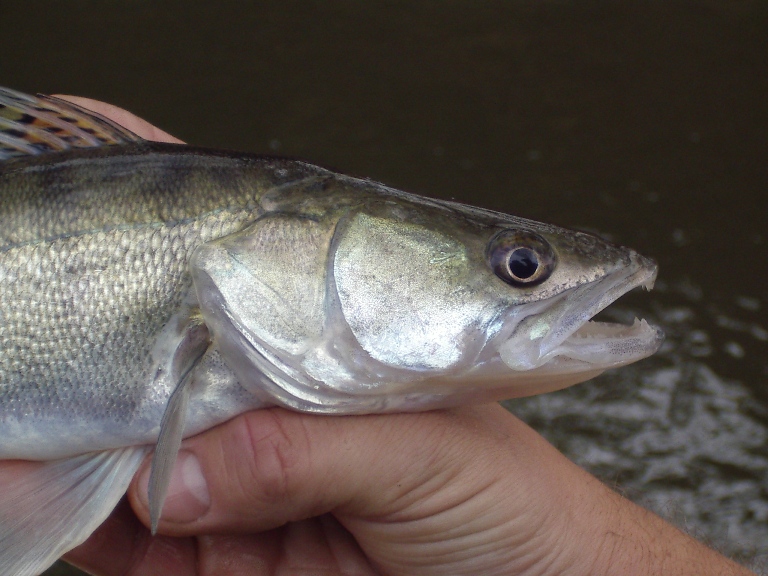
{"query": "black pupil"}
{"type": "Point", "coordinates": [523, 263]}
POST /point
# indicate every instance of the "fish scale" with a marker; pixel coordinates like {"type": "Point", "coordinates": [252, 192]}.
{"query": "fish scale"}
{"type": "Point", "coordinates": [121, 262]}
{"type": "Point", "coordinates": [151, 291]}
{"type": "Point", "coordinates": [136, 184]}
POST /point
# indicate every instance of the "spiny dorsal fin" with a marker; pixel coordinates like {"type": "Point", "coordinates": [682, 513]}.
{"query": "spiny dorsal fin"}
{"type": "Point", "coordinates": [34, 125]}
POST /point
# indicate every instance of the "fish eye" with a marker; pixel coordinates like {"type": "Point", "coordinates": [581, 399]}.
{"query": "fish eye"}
{"type": "Point", "coordinates": [520, 257]}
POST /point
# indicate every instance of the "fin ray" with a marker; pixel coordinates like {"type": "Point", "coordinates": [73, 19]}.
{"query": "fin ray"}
{"type": "Point", "coordinates": [34, 125]}
{"type": "Point", "coordinates": [48, 508]}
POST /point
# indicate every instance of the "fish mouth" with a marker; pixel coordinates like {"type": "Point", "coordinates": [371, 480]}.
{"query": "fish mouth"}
{"type": "Point", "coordinates": [563, 338]}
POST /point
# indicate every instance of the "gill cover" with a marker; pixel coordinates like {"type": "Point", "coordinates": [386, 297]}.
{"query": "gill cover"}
{"type": "Point", "coordinates": [407, 289]}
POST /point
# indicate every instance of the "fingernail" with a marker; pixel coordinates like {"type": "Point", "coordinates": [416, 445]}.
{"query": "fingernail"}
{"type": "Point", "coordinates": [188, 497]}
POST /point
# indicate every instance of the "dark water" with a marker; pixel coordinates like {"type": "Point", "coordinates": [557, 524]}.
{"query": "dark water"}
{"type": "Point", "coordinates": [647, 122]}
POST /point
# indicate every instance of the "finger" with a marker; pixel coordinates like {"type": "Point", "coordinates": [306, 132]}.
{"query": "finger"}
{"type": "Point", "coordinates": [315, 547]}
{"type": "Point", "coordinates": [137, 125]}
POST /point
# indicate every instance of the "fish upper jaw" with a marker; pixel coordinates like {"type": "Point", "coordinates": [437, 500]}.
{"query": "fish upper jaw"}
{"type": "Point", "coordinates": [563, 338]}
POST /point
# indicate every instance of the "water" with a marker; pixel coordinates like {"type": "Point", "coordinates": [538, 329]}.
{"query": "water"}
{"type": "Point", "coordinates": [646, 122]}
{"type": "Point", "coordinates": [672, 433]}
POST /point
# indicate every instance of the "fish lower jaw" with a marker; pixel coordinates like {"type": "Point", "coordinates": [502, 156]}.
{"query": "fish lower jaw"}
{"type": "Point", "coordinates": [593, 346]}
{"type": "Point", "coordinates": [608, 344]}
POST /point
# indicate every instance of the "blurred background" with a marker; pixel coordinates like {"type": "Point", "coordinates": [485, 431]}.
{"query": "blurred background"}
{"type": "Point", "coordinates": [644, 121]}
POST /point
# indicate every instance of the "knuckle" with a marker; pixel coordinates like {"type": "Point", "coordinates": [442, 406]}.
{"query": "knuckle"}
{"type": "Point", "coordinates": [276, 450]}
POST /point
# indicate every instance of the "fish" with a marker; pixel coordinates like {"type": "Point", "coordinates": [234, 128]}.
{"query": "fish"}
{"type": "Point", "coordinates": [151, 291]}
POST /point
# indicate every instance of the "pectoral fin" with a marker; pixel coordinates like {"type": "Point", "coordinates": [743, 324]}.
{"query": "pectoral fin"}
{"type": "Point", "coordinates": [48, 508]}
{"type": "Point", "coordinates": [168, 443]}
{"type": "Point", "coordinates": [191, 348]}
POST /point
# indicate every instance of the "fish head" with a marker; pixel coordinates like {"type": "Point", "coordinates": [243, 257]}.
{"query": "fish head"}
{"type": "Point", "coordinates": [395, 302]}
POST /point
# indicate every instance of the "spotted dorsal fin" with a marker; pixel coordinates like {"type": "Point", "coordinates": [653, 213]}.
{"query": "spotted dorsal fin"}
{"type": "Point", "coordinates": [34, 125]}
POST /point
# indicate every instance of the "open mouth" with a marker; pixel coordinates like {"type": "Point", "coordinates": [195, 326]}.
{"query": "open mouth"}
{"type": "Point", "coordinates": [564, 338]}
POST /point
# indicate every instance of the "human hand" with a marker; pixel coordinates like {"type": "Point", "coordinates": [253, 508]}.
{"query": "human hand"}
{"type": "Point", "coordinates": [465, 491]}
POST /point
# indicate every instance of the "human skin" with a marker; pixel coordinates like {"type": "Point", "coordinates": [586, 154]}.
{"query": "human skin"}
{"type": "Point", "coordinates": [472, 490]}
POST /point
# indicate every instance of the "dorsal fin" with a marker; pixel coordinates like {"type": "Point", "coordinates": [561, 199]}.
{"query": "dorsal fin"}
{"type": "Point", "coordinates": [33, 125]}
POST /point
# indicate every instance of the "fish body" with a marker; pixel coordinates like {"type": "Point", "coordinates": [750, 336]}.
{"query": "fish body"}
{"type": "Point", "coordinates": [151, 291]}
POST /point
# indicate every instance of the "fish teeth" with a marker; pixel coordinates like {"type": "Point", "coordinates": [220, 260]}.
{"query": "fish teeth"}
{"type": "Point", "coordinates": [649, 284]}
